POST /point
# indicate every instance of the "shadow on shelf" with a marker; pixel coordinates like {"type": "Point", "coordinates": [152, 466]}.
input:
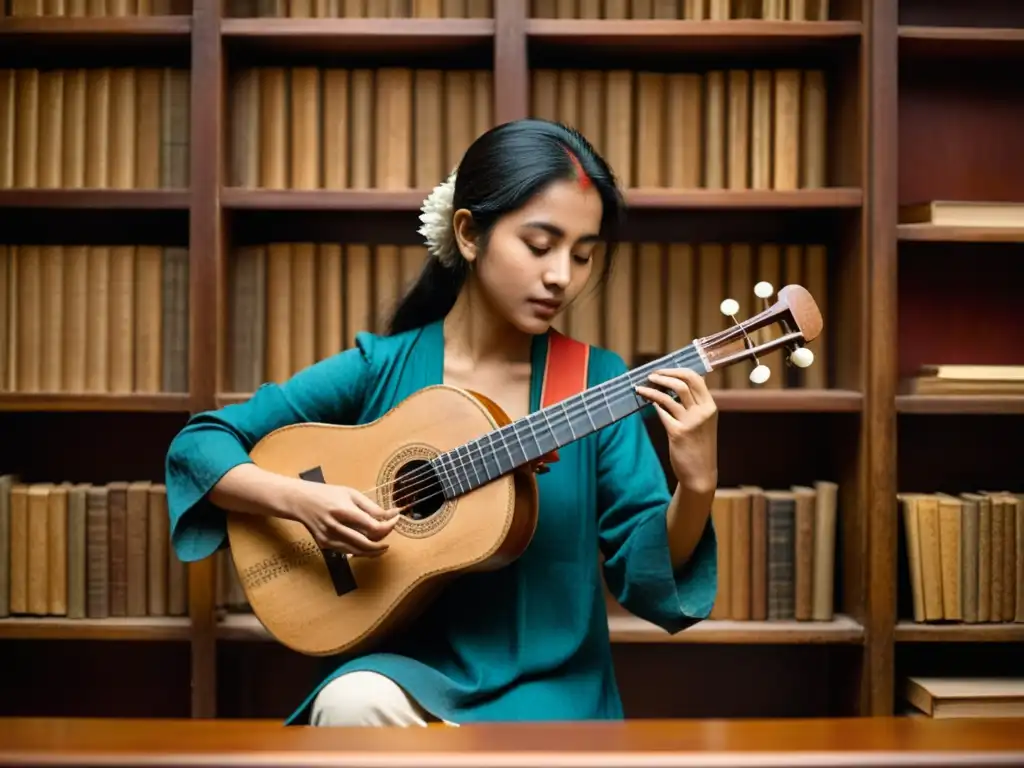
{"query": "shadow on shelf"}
{"type": "Point", "coordinates": [87, 447]}
{"type": "Point", "coordinates": [800, 216]}
{"type": "Point", "coordinates": [677, 45]}
{"type": "Point", "coordinates": [30, 219]}
{"type": "Point", "coordinates": [957, 660]}
{"type": "Point", "coordinates": [105, 41]}
{"type": "Point", "coordinates": [50, 678]}
{"type": "Point", "coordinates": [952, 453]}
{"type": "Point", "coordinates": [956, 13]}
{"type": "Point", "coordinates": [254, 226]}
{"type": "Point", "coordinates": [268, 680]}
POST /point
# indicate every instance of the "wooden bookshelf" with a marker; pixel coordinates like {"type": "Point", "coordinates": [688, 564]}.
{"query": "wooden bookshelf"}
{"type": "Point", "coordinates": [900, 128]}
{"type": "Point", "coordinates": [952, 98]}
{"type": "Point", "coordinates": [929, 42]}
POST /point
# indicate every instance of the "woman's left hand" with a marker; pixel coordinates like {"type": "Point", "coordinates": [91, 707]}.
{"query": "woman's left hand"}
{"type": "Point", "coordinates": [691, 422]}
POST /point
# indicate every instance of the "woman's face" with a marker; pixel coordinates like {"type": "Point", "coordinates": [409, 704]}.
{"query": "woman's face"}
{"type": "Point", "coordinates": [539, 258]}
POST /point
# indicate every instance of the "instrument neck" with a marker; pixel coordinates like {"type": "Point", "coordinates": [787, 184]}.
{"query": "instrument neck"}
{"type": "Point", "coordinates": [526, 440]}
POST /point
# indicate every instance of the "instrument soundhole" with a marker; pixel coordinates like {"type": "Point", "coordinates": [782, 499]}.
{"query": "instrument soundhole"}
{"type": "Point", "coordinates": [418, 489]}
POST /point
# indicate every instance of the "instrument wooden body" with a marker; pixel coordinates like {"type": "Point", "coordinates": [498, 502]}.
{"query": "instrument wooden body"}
{"type": "Point", "coordinates": [285, 575]}
{"type": "Point", "coordinates": [477, 509]}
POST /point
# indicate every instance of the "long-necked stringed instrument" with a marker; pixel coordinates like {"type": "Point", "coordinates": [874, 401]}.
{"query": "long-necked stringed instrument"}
{"type": "Point", "coordinates": [464, 473]}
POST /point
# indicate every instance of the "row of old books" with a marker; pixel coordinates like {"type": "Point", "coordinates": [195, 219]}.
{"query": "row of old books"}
{"type": "Point", "coordinates": [401, 128]}
{"type": "Point", "coordinates": [94, 318]}
{"type": "Point", "coordinates": [100, 127]}
{"type": "Point", "coordinates": [776, 555]}
{"type": "Point", "coordinates": [87, 551]}
{"type": "Point", "coordinates": [95, 7]}
{"type": "Point", "coordinates": [372, 9]}
{"type": "Point", "coordinates": [695, 10]}
{"type": "Point", "coordinates": [965, 556]}
{"type": "Point", "coordinates": [332, 128]}
{"type": "Point", "coordinates": [291, 304]}
{"type": "Point", "coordinates": [776, 552]}
{"type": "Point", "coordinates": [719, 129]}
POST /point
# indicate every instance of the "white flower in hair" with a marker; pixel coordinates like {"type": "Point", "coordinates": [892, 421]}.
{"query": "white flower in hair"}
{"type": "Point", "coordinates": [437, 227]}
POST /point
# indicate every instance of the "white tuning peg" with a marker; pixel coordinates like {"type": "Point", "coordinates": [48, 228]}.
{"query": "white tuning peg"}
{"type": "Point", "coordinates": [763, 289]}
{"type": "Point", "coordinates": [760, 374]}
{"type": "Point", "coordinates": [729, 307]}
{"type": "Point", "coordinates": [802, 357]}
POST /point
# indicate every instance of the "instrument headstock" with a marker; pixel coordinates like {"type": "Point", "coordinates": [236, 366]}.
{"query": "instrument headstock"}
{"type": "Point", "coordinates": [794, 312]}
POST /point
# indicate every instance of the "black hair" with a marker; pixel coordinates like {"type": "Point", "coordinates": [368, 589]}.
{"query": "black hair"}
{"type": "Point", "coordinates": [500, 172]}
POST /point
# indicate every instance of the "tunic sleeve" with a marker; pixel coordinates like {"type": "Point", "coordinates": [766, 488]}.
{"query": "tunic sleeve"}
{"type": "Point", "coordinates": [211, 443]}
{"type": "Point", "coordinates": [633, 497]}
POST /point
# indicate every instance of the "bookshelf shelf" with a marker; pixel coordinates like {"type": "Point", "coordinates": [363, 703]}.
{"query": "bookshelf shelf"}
{"type": "Point", "coordinates": [743, 199]}
{"type": "Point", "coordinates": [64, 402]}
{"type": "Point", "coordinates": [911, 632]}
{"type": "Point", "coordinates": [950, 298]}
{"type": "Point", "coordinates": [149, 628]}
{"type": "Point", "coordinates": [626, 628]}
{"type": "Point", "coordinates": [104, 30]}
{"type": "Point", "coordinates": [112, 199]}
{"type": "Point", "coordinates": [954, 234]}
{"type": "Point", "coordinates": [637, 198]}
{"type": "Point", "coordinates": [323, 199]}
{"type": "Point", "coordinates": [643, 36]}
{"type": "Point", "coordinates": [394, 37]}
{"type": "Point", "coordinates": [960, 404]}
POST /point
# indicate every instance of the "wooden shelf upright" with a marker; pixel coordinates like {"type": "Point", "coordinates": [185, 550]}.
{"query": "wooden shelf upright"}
{"type": "Point", "coordinates": [889, 291]}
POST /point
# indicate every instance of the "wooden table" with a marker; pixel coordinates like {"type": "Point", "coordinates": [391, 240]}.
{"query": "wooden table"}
{"type": "Point", "coordinates": [644, 744]}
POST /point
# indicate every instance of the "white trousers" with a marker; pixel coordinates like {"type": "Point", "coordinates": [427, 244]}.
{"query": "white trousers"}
{"type": "Point", "coordinates": [367, 698]}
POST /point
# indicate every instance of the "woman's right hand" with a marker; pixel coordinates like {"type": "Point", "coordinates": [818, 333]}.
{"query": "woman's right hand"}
{"type": "Point", "coordinates": [343, 519]}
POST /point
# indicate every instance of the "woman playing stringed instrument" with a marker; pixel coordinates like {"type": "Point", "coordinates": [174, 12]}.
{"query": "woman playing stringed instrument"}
{"type": "Point", "coordinates": [511, 237]}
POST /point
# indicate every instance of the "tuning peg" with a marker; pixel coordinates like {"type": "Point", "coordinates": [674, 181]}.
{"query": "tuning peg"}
{"type": "Point", "coordinates": [763, 289]}
{"type": "Point", "coordinates": [802, 357]}
{"type": "Point", "coordinates": [729, 307]}
{"type": "Point", "coordinates": [760, 374]}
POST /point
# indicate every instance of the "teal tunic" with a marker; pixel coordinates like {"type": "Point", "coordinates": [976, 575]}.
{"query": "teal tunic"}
{"type": "Point", "coordinates": [530, 641]}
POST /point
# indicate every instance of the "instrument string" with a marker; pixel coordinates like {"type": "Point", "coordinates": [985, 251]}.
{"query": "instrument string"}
{"type": "Point", "coordinates": [428, 476]}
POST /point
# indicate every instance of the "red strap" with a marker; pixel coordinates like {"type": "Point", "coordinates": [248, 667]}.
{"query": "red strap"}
{"type": "Point", "coordinates": [565, 375]}
{"type": "Point", "coordinates": [565, 370]}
